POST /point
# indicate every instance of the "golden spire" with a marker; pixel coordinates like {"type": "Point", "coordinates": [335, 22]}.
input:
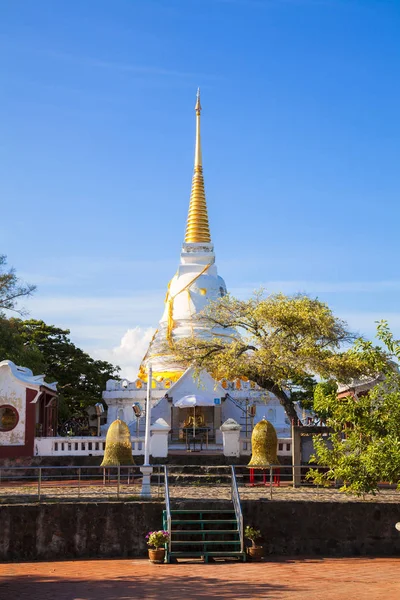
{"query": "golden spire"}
{"type": "Point", "coordinates": [197, 228]}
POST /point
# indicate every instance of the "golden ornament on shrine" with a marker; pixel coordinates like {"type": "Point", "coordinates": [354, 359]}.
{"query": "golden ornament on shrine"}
{"type": "Point", "coordinates": [118, 449]}
{"type": "Point", "coordinates": [264, 444]}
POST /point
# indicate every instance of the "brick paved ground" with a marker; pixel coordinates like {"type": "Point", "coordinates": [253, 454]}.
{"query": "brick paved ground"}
{"type": "Point", "coordinates": [311, 579]}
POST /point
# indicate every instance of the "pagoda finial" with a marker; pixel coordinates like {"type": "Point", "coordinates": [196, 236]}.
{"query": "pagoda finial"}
{"type": "Point", "coordinates": [198, 105]}
{"type": "Point", "coordinates": [197, 228]}
{"type": "Point", "coordinates": [197, 153]}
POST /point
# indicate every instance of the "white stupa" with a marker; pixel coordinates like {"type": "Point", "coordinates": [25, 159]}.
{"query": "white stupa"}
{"type": "Point", "coordinates": [195, 283]}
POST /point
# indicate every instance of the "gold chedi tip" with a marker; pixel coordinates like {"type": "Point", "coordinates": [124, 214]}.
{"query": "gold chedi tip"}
{"type": "Point", "coordinates": [197, 228]}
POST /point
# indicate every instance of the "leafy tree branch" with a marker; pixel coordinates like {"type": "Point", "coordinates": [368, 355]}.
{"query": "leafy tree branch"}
{"type": "Point", "coordinates": [11, 288]}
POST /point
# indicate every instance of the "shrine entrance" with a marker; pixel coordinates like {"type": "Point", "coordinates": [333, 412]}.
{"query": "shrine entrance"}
{"type": "Point", "coordinates": [195, 422]}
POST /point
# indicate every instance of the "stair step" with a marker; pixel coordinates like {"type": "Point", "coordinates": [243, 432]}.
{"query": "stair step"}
{"type": "Point", "coordinates": [192, 521]}
{"type": "Point", "coordinates": [203, 542]}
{"type": "Point", "coordinates": [198, 478]}
{"type": "Point", "coordinates": [191, 554]}
{"type": "Point", "coordinates": [199, 510]}
{"type": "Point", "coordinates": [197, 531]}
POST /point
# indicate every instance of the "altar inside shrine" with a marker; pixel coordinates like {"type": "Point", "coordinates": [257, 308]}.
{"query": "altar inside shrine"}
{"type": "Point", "coordinates": [195, 418]}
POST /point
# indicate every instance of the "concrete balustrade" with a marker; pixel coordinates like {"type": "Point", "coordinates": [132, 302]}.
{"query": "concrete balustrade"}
{"type": "Point", "coordinates": [79, 446]}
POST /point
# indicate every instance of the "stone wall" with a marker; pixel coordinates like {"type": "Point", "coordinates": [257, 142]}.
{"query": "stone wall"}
{"type": "Point", "coordinates": [326, 528]}
{"type": "Point", "coordinates": [117, 529]}
{"type": "Point", "coordinates": [54, 531]}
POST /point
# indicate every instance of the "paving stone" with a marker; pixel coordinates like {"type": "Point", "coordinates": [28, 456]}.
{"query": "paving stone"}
{"type": "Point", "coordinates": [294, 579]}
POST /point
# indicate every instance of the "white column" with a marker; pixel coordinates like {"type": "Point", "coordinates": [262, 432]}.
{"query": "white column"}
{"type": "Point", "coordinates": [231, 437]}
{"type": "Point", "coordinates": [159, 438]}
{"type": "Point", "coordinates": [147, 469]}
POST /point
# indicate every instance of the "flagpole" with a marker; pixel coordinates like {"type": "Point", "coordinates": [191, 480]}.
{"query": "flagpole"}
{"type": "Point", "coordinates": [148, 416]}
{"type": "Point", "coordinates": [146, 469]}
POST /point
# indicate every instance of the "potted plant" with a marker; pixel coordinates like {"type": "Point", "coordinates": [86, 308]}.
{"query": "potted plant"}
{"type": "Point", "coordinates": [254, 551]}
{"type": "Point", "coordinates": [156, 541]}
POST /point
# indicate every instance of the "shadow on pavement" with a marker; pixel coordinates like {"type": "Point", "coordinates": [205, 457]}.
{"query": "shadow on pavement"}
{"type": "Point", "coordinates": [126, 587]}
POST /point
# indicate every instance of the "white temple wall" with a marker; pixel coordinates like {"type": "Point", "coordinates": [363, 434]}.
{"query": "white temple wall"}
{"type": "Point", "coordinates": [162, 410]}
{"type": "Point", "coordinates": [189, 387]}
{"type": "Point", "coordinates": [229, 410]}
{"type": "Point", "coordinates": [120, 409]}
{"type": "Point", "coordinates": [273, 412]}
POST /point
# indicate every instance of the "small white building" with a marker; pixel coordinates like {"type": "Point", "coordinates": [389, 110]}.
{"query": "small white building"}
{"type": "Point", "coordinates": [28, 409]}
{"type": "Point", "coordinates": [217, 401]}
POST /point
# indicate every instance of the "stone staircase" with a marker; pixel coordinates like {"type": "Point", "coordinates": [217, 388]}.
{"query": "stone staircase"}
{"type": "Point", "coordinates": [200, 532]}
{"type": "Point", "coordinates": [204, 533]}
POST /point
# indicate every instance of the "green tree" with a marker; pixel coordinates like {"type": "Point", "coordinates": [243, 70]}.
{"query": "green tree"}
{"type": "Point", "coordinates": [11, 288]}
{"type": "Point", "coordinates": [284, 342]}
{"type": "Point", "coordinates": [14, 347]}
{"type": "Point", "coordinates": [48, 349]}
{"type": "Point", "coordinates": [364, 446]}
{"type": "Point", "coordinates": [322, 391]}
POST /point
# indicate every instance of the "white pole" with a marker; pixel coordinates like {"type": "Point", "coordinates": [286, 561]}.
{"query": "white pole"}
{"type": "Point", "coordinates": [148, 415]}
{"type": "Point", "coordinates": [147, 469]}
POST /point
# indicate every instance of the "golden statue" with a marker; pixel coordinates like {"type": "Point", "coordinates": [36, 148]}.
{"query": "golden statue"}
{"type": "Point", "coordinates": [194, 421]}
{"type": "Point", "coordinates": [264, 444]}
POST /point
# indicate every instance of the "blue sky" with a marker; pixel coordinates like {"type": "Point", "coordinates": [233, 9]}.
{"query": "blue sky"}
{"type": "Point", "coordinates": [301, 138]}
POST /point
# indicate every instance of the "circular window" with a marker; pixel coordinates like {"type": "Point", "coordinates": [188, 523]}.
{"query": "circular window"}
{"type": "Point", "coordinates": [8, 417]}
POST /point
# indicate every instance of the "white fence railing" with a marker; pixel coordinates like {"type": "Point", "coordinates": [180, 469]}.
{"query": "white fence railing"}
{"type": "Point", "coordinates": [94, 446]}
{"type": "Point", "coordinates": [284, 446]}
{"type": "Point", "coordinates": [79, 446]}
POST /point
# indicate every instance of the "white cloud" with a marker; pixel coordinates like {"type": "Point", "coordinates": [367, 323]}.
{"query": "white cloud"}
{"type": "Point", "coordinates": [73, 271]}
{"type": "Point", "coordinates": [98, 306]}
{"type": "Point", "coordinates": [319, 287]}
{"type": "Point", "coordinates": [97, 324]}
{"type": "Point", "coordinates": [128, 355]}
{"type": "Point", "coordinates": [93, 318]}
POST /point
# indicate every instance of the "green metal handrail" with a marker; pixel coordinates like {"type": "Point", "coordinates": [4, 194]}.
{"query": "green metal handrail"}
{"type": "Point", "coordinates": [237, 506]}
{"type": "Point", "coordinates": [167, 506]}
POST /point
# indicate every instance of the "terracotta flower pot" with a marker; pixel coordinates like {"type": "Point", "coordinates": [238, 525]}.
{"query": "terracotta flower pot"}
{"type": "Point", "coordinates": [256, 553]}
{"type": "Point", "coordinates": [156, 555]}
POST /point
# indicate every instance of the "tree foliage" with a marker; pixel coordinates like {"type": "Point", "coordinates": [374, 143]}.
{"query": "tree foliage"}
{"type": "Point", "coordinates": [364, 447]}
{"type": "Point", "coordinates": [48, 349]}
{"type": "Point", "coordinates": [283, 342]}
{"type": "Point", "coordinates": [14, 347]}
{"type": "Point", "coordinates": [11, 288]}
{"type": "Point", "coordinates": [322, 391]}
